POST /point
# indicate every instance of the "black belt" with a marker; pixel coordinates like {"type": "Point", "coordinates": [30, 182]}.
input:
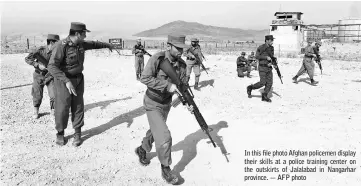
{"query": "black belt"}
{"type": "Point", "coordinates": [73, 76]}
{"type": "Point", "coordinates": [157, 99]}
{"type": "Point", "coordinates": [190, 58]}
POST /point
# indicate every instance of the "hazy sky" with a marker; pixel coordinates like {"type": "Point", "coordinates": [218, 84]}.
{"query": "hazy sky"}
{"type": "Point", "coordinates": [126, 18]}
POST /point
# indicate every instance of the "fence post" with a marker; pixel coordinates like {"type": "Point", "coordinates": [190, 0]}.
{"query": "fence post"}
{"type": "Point", "coordinates": [27, 42]}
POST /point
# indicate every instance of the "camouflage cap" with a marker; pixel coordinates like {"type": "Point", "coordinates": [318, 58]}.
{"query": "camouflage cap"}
{"type": "Point", "coordinates": [177, 41]}
{"type": "Point", "coordinates": [77, 26]}
{"type": "Point", "coordinates": [53, 37]}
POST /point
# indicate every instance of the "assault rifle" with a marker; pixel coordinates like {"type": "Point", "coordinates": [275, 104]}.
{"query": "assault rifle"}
{"type": "Point", "coordinates": [44, 72]}
{"type": "Point", "coordinates": [185, 96]}
{"type": "Point", "coordinates": [318, 61]}
{"type": "Point", "coordinates": [275, 65]}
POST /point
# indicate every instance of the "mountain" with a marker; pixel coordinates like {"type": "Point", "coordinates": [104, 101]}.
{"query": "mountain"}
{"type": "Point", "coordinates": [204, 32]}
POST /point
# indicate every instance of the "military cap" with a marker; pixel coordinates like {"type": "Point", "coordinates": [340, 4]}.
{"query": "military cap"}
{"type": "Point", "coordinates": [243, 53]}
{"type": "Point", "coordinates": [194, 40]}
{"type": "Point", "coordinates": [177, 41]}
{"type": "Point", "coordinates": [252, 52]}
{"type": "Point", "coordinates": [319, 42]}
{"type": "Point", "coordinates": [77, 26]}
{"type": "Point", "coordinates": [53, 37]}
{"type": "Point", "coordinates": [269, 37]}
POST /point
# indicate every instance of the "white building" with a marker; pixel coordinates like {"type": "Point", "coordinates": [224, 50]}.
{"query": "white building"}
{"type": "Point", "coordinates": [287, 29]}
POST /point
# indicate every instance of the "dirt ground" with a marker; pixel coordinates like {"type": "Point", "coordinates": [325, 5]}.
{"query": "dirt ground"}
{"type": "Point", "coordinates": [300, 117]}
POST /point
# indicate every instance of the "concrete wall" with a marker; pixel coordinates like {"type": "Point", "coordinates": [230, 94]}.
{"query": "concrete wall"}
{"type": "Point", "coordinates": [287, 39]}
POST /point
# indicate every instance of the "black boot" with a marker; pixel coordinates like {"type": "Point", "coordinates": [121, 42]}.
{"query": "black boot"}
{"type": "Point", "coordinates": [77, 138]}
{"type": "Point", "coordinates": [313, 82]}
{"type": "Point", "coordinates": [142, 154]}
{"type": "Point", "coordinates": [138, 78]}
{"type": "Point", "coordinates": [60, 138]}
{"type": "Point", "coordinates": [249, 91]}
{"type": "Point", "coordinates": [265, 98]}
{"type": "Point", "coordinates": [196, 86]}
{"type": "Point", "coordinates": [168, 175]}
{"type": "Point", "coordinates": [295, 79]}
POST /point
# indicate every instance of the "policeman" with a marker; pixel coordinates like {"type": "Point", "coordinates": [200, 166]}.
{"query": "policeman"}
{"type": "Point", "coordinates": [157, 103]}
{"type": "Point", "coordinates": [264, 54]}
{"type": "Point", "coordinates": [138, 51]}
{"type": "Point", "coordinates": [66, 65]}
{"type": "Point", "coordinates": [194, 62]}
{"type": "Point", "coordinates": [41, 76]}
{"type": "Point", "coordinates": [307, 64]}
{"type": "Point", "coordinates": [243, 66]}
{"type": "Point", "coordinates": [252, 60]}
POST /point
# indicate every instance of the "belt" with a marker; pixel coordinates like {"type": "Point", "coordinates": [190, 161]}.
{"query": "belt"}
{"type": "Point", "coordinates": [73, 76]}
{"type": "Point", "coordinates": [264, 65]}
{"type": "Point", "coordinates": [157, 99]}
{"type": "Point", "coordinates": [190, 58]}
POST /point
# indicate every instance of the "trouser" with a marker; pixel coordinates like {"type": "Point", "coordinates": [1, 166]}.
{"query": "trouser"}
{"type": "Point", "coordinates": [139, 65]}
{"type": "Point", "coordinates": [307, 65]}
{"type": "Point", "coordinates": [254, 64]}
{"type": "Point", "coordinates": [240, 71]}
{"type": "Point", "coordinates": [38, 89]}
{"type": "Point", "coordinates": [158, 133]}
{"type": "Point", "coordinates": [196, 70]}
{"type": "Point", "coordinates": [65, 101]}
{"type": "Point", "coordinates": [266, 79]}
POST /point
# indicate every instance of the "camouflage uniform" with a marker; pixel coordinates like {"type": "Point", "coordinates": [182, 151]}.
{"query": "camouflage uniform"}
{"type": "Point", "coordinates": [66, 65]}
{"type": "Point", "coordinates": [265, 71]}
{"type": "Point", "coordinates": [41, 77]}
{"type": "Point", "coordinates": [139, 59]}
{"type": "Point", "coordinates": [242, 66]}
{"type": "Point", "coordinates": [193, 62]}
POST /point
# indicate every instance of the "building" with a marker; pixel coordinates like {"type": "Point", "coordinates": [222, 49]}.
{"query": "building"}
{"type": "Point", "coordinates": [288, 28]}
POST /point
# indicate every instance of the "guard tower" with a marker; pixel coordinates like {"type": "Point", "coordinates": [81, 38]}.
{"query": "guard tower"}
{"type": "Point", "coordinates": [287, 28]}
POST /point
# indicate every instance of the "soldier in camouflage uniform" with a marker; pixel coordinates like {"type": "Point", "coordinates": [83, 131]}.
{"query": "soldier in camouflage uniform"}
{"type": "Point", "coordinates": [252, 61]}
{"type": "Point", "coordinates": [157, 103]}
{"type": "Point", "coordinates": [41, 76]}
{"type": "Point", "coordinates": [243, 66]}
{"type": "Point", "coordinates": [194, 62]}
{"type": "Point", "coordinates": [264, 54]}
{"type": "Point", "coordinates": [307, 64]}
{"type": "Point", "coordinates": [138, 51]}
{"type": "Point", "coordinates": [66, 66]}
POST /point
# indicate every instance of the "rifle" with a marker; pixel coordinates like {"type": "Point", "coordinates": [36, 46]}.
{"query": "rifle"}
{"type": "Point", "coordinates": [275, 65]}
{"type": "Point", "coordinates": [198, 59]}
{"type": "Point", "coordinates": [318, 60]}
{"type": "Point", "coordinates": [185, 96]}
{"type": "Point", "coordinates": [45, 72]}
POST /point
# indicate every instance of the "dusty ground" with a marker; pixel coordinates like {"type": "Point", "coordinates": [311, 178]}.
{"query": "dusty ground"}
{"type": "Point", "coordinates": [301, 117]}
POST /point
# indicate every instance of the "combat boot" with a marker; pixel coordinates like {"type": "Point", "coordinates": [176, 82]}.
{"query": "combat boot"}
{"type": "Point", "coordinates": [60, 138]}
{"type": "Point", "coordinates": [265, 98]}
{"type": "Point", "coordinates": [168, 175]}
{"type": "Point", "coordinates": [313, 82]}
{"type": "Point", "coordinates": [138, 78]}
{"type": "Point", "coordinates": [77, 138]}
{"type": "Point", "coordinates": [248, 75]}
{"type": "Point", "coordinates": [142, 154]}
{"type": "Point", "coordinates": [196, 86]}
{"type": "Point", "coordinates": [249, 91]}
{"type": "Point", "coordinates": [295, 79]}
{"type": "Point", "coordinates": [36, 113]}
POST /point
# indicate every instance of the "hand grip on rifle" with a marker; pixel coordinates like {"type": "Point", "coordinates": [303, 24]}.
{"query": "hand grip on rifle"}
{"type": "Point", "coordinates": [185, 96]}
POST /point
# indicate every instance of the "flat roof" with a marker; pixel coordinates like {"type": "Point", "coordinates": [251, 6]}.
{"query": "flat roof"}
{"type": "Point", "coordinates": [288, 13]}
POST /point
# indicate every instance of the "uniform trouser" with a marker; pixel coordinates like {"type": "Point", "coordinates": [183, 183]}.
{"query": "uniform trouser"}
{"type": "Point", "coordinates": [254, 64]}
{"type": "Point", "coordinates": [38, 89]}
{"type": "Point", "coordinates": [196, 70]}
{"type": "Point", "coordinates": [139, 65]}
{"type": "Point", "coordinates": [307, 65]}
{"type": "Point", "coordinates": [266, 79]}
{"type": "Point", "coordinates": [65, 101]}
{"type": "Point", "coordinates": [240, 71]}
{"type": "Point", "coordinates": [158, 133]}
